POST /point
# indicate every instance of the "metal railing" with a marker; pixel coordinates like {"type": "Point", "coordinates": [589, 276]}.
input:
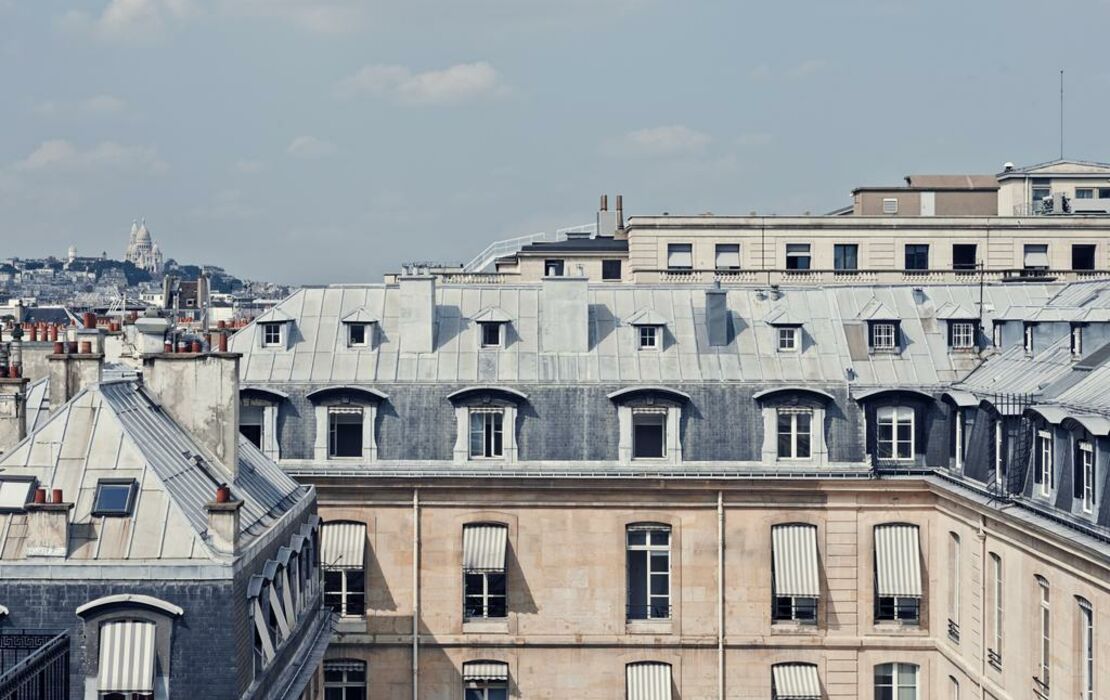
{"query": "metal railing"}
{"type": "Point", "coordinates": [42, 675]}
{"type": "Point", "coordinates": [651, 612]}
{"type": "Point", "coordinates": [994, 658]}
{"type": "Point", "coordinates": [855, 277]}
{"type": "Point", "coordinates": [953, 630]}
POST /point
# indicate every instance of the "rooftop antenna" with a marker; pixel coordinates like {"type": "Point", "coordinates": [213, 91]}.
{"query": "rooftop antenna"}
{"type": "Point", "coordinates": [1061, 114]}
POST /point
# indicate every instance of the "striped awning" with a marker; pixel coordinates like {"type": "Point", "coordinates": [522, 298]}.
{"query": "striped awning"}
{"type": "Point", "coordinates": [796, 682]}
{"type": "Point", "coordinates": [485, 671]}
{"type": "Point", "coordinates": [648, 681]}
{"type": "Point", "coordinates": [343, 545]}
{"type": "Point", "coordinates": [795, 560]}
{"type": "Point", "coordinates": [898, 561]}
{"type": "Point", "coordinates": [126, 657]}
{"type": "Point", "coordinates": [484, 547]}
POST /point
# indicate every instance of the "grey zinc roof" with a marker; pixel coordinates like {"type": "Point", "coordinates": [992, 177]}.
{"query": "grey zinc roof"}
{"type": "Point", "coordinates": [1014, 372]}
{"type": "Point", "coordinates": [318, 353]}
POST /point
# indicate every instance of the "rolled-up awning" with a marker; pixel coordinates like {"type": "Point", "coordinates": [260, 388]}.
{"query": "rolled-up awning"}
{"type": "Point", "coordinates": [343, 545]}
{"type": "Point", "coordinates": [794, 557]}
{"type": "Point", "coordinates": [648, 681]}
{"type": "Point", "coordinates": [898, 561]}
{"type": "Point", "coordinates": [126, 657]}
{"type": "Point", "coordinates": [484, 547]}
{"type": "Point", "coordinates": [485, 671]}
{"type": "Point", "coordinates": [796, 682]}
{"type": "Point", "coordinates": [1036, 256]}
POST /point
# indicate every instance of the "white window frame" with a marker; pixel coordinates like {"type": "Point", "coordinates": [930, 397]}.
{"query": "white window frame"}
{"type": "Point", "coordinates": [489, 424]}
{"type": "Point", "coordinates": [954, 581]}
{"type": "Point", "coordinates": [794, 433]}
{"type": "Point", "coordinates": [799, 251]}
{"type": "Point", "coordinates": [346, 589]}
{"type": "Point", "coordinates": [1027, 338]}
{"type": "Point", "coordinates": [484, 687]}
{"type": "Point", "coordinates": [270, 339]}
{"type": "Point", "coordinates": [1076, 340]}
{"type": "Point", "coordinates": [1087, 470]}
{"type": "Point", "coordinates": [996, 334]}
{"type": "Point", "coordinates": [657, 414]}
{"type": "Point", "coordinates": [365, 328]}
{"type": "Point", "coordinates": [333, 422]}
{"type": "Point", "coordinates": [895, 679]}
{"type": "Point", "coordinates": [1045, 449]}
{"type": "Point", "coordinates": [999, 456]}
{"type": "Point", "coordinates": [508, 412]}
{"type": "Point", "coordinates": [672, 430]}
{"type": "Point", "coordinates": [346, 682]}
{"type": "Point", "coordinates": [1086, 650]}
{"type": "Point", "coordinates": [997, 613]}
{"type": "Point", "coordinates": [890, 205]}
{"type": "Point", "coordinates": [680, 256]}
{"type": "Point", "coordinates": [484, 326]}
{"type": "Point", "coordinates": [896, 415]}
{"type": "Point", "coordinates": [1045, 652]}
{"type": "Point", "coordinates": [651, 550]}
{"type": "Point", "coordinates": [884, 336]}
{"type": "Point", "coordinates": [727, 260]}
{"type": "Point", "coordinates": [322, 448]}
{"type": "Point", "coordinates": [958, 446]}
{"type": "Point", "coordinates": [787, 338]}
{"type": "Point", "coordinates": [963, 335]}
{"type": "Point", "coordinates": [647, 337]}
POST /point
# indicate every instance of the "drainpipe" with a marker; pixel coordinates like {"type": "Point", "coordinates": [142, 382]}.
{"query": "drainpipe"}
{"type": "Point", "coordinates": [720, 595]}
{"type": "Point", "coordinates": [983, 604]}
{"type": "Point", "coordinates": [415, 593]}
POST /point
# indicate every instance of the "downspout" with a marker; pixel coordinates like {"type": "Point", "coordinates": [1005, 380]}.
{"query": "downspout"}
{"type": "Point", "coordinates": [720, 595]}
{"type": "Point", "coordinates": [982, 534]}
{"type": "Point", "coordinates": [415, 593]}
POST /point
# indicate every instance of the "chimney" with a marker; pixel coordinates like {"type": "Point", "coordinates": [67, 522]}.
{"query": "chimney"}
{"type": "Point", "coordinates": [564, 315]}
{"type": "Point", "coordinates": [418, 313]}
{"type": "Point", "coordinates": [201, 393]}
{"type": "Point", "coordinates": [620, 211]}
{"type": "Point", "coordinates": [47, 527]}
{"type": "Point", "coordinates": [223, 522]}
{"type": "Point", "coordinates": [70, 372]}
{"type": "Point", "coordinates": [148, 334]}
{"type": "Point", "coordinates": [13, 411]}
{"type": "Point", "coordinates": [718, 320]}
{"type": "Point", "coordinates": [607, 221]}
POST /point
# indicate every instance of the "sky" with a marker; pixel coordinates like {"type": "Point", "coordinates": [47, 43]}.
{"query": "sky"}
{"type": "Point", "coordinates": [317, 141]}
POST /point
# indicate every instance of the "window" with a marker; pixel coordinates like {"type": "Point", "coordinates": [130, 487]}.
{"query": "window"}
{"type": "Point", "coordinates": [797, 256]}
{"type": "Point", "coordinates": [953, 575]}
{"type": "Point", "coordinates": [1076, 339]}
{"type": "Point", "coordinates": [883, 336]}
{"type": "Point", "coordinates": [649, 572]}
{"type": "Point", "coordinates": [795, 681]}
{"type": "Point", "coordinates": [795, 580]}
{"type": "Point", "coordinates": [1086, 650]}
{"type": "Point", "coordinates": [958, 438]}
{"type": "Point", "coordinates": [1042, 679]}
{"type": "Point", "coordinates": [996, 334]}
{"type": "Point", "coordinates": [344, 431]}
{"type": "Point", "coordinates": [358, 335]}
{"type": "Point", "coordinates": [611, 270]}
{"type": "Point", "coordinates": [898, 588]}
{"type": "Point", "coordinates": [896, 682]}
{"type": "Point", "coordinates": [649, 427]}
{"type": "Point", "coordinates": [344, 680]}
{"type": "Point", "coordinates": [486, 433]}
{"type": "Point", "coordinates": [480, 686]}
{"type": "Point", "coordinates": [953, 688]}
{"type": "Point", "coordinates": [647, 680]}
{"type": "Point", "coordinates": [15, 494]}
{"type": "Point", "coordinates": [553, 268]}
{"type": "Point", "coordinates": [917, 256]}
{"type": "Point", "coordinates": [1084, 478]}
{"type": "Point", "coordinates": [345, 591]}
{"type": "Point", "coordinates": [491, 334]}
{"type": "Point", "coordinates": [1044, 473]}
{"type": "Point", "coordinates": [485, 595]}
{"type": "Point", "coordinates": [271, 335]}
{"type": "Point", "coordinates": [114, 498]}
{"type": "Point", "coordinates": [1040, 194]}
{"type": "Point", "coordinates": [1084, 193]}
{"type": "Point", "coordinates": [1083, 255]}
{"type": "Point", "coordinates": [1036, 256]}
{"type": "Point", "coordinates": [896, 432]}
{"type": "Point", "coordinates": [788, 338]}
{"type": "Point", "coordinates": [963, 256]}
{"type": "Point", "coordinates": [484, 547]}
{"type": "Point", "coordinates": [127, 664]}
{"type": "Point", "coordinates": [961, 335]}
{"type": "Point", "coordinates": [999, 452]}
{"type": "Point", "coordinates": [794, 433]}
{"type": "Point", "coordinates": [250, 424]}
{"type": "Point", "coordinates": [649, 337]}
{"type": "Point", "coordinates": [845, 257]}
{"type": "Point", "coordinates": [1104, 193]}
{"type": "Point", "coordinates": [994, 650]}
{"type": "Point", "coordinates": [890, 205]}
{"type": "Point", "coordinates": [680, 256]}
{"type": "Point", "coordinates": [1027, 342]}
{"type": "Point", "coordinates": [728, 256]}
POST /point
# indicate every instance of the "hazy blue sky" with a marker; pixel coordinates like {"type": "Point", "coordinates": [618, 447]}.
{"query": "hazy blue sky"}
{"type": "Point", "coordinates": [329, 140]}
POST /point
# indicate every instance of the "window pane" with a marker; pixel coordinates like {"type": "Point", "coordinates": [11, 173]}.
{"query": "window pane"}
{"type": "Point", "coordinates": [637, 585]}
{"type": "Point", "coordinates": [473, 583]}
{"type": "Point", "coordinates": [637, 536]}
{"type": "Point", "coordinates": [647, 436]}
{"type": "Point", "coordinates": [660, 536]}
{"type": "Point", "coordinates": [496, 607]}
{"type": "Point", "coordinates": [113, 498]}
{"type": "Point", "coordinates": [474, 694]}
{"type": "Point", "coordinates": [784, 435]}
{"type": "Point", "coordinates": [496, 584]}
{"type": "Point", "coordinates": [660, 562]}
{"type": "Point", "coordinates": [660, 585]}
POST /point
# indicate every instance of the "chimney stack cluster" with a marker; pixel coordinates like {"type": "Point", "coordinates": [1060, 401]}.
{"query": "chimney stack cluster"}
{"type": "Point", "coordinates": [610, 223]}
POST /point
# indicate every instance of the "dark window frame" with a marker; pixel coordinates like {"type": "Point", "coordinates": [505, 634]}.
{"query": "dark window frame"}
{"type": "Point", "coordinates": [607, 272]}
{"type": "Point", "coordinates": [132, 486]}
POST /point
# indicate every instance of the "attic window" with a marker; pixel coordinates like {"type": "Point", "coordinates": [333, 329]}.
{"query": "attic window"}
{"type": "Point", "coordinates": [890, 205]}
{"type": "Point", "coordinates": [114, 498]}
{"type": "Point", "coordinates": [788, 338]}
{"type": "Point", "coordinates": [15, 494]}
{"type": "Point", "coordinates": [649, 337]}
{"type": "Point", "coordinates": [271, 335]}
{"type": "Point", "coordinates": [1076, 339]}
{"type": "Point", "coordinates": [491, 334]}
{"type": "Point", "coordinates": [883, 336]}
{"type": "Point", "coordinates": [358, 334]}
{"type": "Point", "coordinates": [961, 335]}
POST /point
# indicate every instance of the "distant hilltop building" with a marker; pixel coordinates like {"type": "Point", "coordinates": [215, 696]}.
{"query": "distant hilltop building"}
{"type": "Point", "coordinates": [142, 251]}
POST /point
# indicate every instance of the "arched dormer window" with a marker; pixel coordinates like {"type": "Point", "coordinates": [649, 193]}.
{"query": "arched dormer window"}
{"type": "Point", "coordinates": [794, 424]}
{"type": "Point", "coordinates": [486, 423]}
{"type": "Point", "coordinates": [258, 417]}
{"type": "Point", "coordinates": [345, 420]}
{"type": "Point", "coordinates": [650, 419]}
{"type": "Point", "coordinates": [895, 424]}
{"type": "Point", "coordinates": [130, 636]}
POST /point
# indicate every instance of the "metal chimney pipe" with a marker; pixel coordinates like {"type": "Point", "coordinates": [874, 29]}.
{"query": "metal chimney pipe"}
{"type": "Point", "coordinates": [604, 202]}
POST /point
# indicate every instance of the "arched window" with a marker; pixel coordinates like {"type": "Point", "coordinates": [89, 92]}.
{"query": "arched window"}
{"type": "Point", "coordinates": [896, 682]}
{"type": "Point", "coordinates": [649, 571]}
{"type": "Point", "coordinates": [1044, 653]}
{"type": "Point", "coordinates": [130, 637]}
{"type": "Point", "coordinates": [484, 589]}
{"type": "Point", "coordinates": [1086, 661]}
{"type": "Point", "coordinates": [343, 553]}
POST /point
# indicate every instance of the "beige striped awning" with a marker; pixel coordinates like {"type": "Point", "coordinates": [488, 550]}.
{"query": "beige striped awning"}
{"type": "Point", "coordinates": [796, 682]}
{"type": "Point", "coordinates": [485, 671]}
{"type": "Point", "coordinates": [126, 657]}
{"type": "Point", "coordinates": [794, 557]}
{"type": "Point", "coordinates": [649, 680]}
{"type": "Point", "coordinates": [343, 545]}
{"type": "Point", "coordinates": [898, 561]}
{"type": "Point", "coordinates": [484, 547]}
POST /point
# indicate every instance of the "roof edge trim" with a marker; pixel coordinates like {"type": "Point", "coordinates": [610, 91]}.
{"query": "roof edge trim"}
{"type": "Point", "coordinates": [145, 601]}
{"type": "Point", "coordinates": [824, 395]}
{"type": "Point", "coordinates": [338, 388]}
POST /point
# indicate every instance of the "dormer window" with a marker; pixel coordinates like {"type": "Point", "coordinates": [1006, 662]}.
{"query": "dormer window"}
{"type": "Point", "coordinates": [114, 498]}
{"type": "Point", "coordinates": [996, 334]}
{"type": "Point", "coordinates": [492, 327]}
{"type": "Point", "coordinates": [271, 335]}
{"type": "Point", "coordinates": [649, 337]}
{"type": "Point", "coordinates": [358, 334]}
{"type": "Point", "coordinates": [360, 325]}
{"type": "Point", "coordinates": [648, 324]}
{"type": "Point", "coordinates": [961, 335]}
{"type": "Point", "coordinates": [1076, 339]}
{"type": "Point", "coordinates": [15, 493]}
{"type": "Point", "coordinates": [788, 338]}
{"type": "Point", "coordinates": [1027, 328]}
{"type": "Point", "coordinates": [491, 334]}
{"type": "Point", "coordinates": [882, 336]}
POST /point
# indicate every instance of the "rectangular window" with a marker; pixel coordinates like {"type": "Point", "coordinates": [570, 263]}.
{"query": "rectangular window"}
{"type": "Point", "coordinates": [357, 335]}
{"type": "Point", "coordinates": [250, 424]}
{"type": "Point", "coordinates": [1076, 339]}
{"type": "Point", "coordinates": [795, 609]}
{"type": "Point", "coordinates": [953, 575]}
{"type": "Point", "coordinates": [680, 256]}
{"type": "Point", "coordinates": [963, 256]}
{"type": "Point", "coordinates": [1044, 474]}
{"type": "Point", "coordinates": [486, 436]}
{"type": "Point", "coordinates": [611, 270]}
{"type": "Point", "coordinates": [15, 494]}
{"type": "Point", "coordinates": [883, 335]}
{"type": "Point", "coordinates": [491, 335]}
{"type": "Point", "coordinates": [344, 431]}
{"type": "Point", "coordinates": [649, 434]}
{"type": "Point", "coordinates": [1083, 256]}
{"type": "Point", "coordinates": [795, 579]}
{"type": "Point", "coordinates": [996, 334]}
{"type": "Point", "coordinates": [797, 256]}
{"type": "Point", "coordinates": [1036, 256]}
{"type": "Point", "coordinates": [1043, 679]}
{"type": "Point", "coordinates": [485, 595]}
{"type": "Point", "coordinates": [114, 498]}
{"type": "Point", "coordinates": [1085, 477]}
{"type": "Point", "coordinates": [345, 591]}
{"type": "Point", "coordinates": [958, 438]}
{"type": "Point", "coordinates": [897, 609]}
{"type": "Point", "coordinates": [484, 690]}
{"type": "Point", "coordinates": [1027, 339]}
{"type": "Point", "coordinates": [553, 268]}
{"type": "Point", "coordinates": [896, 682]}
{"type": "Point", "coordinates": [728, 256]}
{"type": "Point", "coordinates": [1086, 651]}
{"type": "Point", "coordinates": [649, 572]}
{"type": "Point", "coordinates": [962, 335]}
{"type": "Point", "coordinates": [1084, 193]}
{"type": "Point", "coordinates": [999, 453]}
{"type": "Point", "coordinates": [895, 438]}
{"type": "Point", "coordinates": [917, 256]}
{"type": "Point", "coordinates": [788, 338]}
{"type": "Point", "coordinates": [344, 680]}
{"type": "Point", "coordinates": [845, 257]}
{"type": "Point", "coordinates": [890, 205]}
{"type": "Point", "coordinates": [649, 337]}
{"type": "Point", "coordinates": [271, 335]}
{"type": "Point", "coordinates": [1042, 198]}
{"type": "Point", "coordinates": [994, 652]}
{"type": "Point", "coordinates": [794, 433]}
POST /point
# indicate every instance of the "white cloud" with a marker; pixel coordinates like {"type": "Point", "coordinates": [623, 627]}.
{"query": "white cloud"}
{"type": "Point", "coordinates": [310, 147]}
{"type": "Point", "coordinates": [660, 141]}
{"type": "Point", "coordinates": [61, 155]}
{"type": "Point", "coordinates": [457, 83]}
{"type": "Point", "coordinates": [129, 19]}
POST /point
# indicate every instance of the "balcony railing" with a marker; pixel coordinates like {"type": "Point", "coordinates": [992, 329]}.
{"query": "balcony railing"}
{"type": "Point", "coordinates": [954, 631]}
{"type": "Point", "coordinates": [653, 612]}
{"type": "Point", "coordinates": [995, 659]}
{"type": "Point", "coordinates": [856, 277]}
{"type": "Point", "coordinates": [43, 674]}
